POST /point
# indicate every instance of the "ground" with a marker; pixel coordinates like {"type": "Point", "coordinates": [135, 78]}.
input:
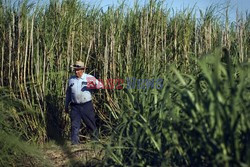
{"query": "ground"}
{"type": "Point", "coordinates": [64, 154]}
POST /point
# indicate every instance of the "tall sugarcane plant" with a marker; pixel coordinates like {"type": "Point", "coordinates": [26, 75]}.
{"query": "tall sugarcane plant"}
{"type": "Point", "coordinates": [198, 119]}
{"type": "Point", "coordinates": [39, 42]}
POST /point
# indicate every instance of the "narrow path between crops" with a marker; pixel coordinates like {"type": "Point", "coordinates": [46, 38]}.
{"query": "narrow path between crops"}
{"type": "Point", "coordinates": [64, 154]}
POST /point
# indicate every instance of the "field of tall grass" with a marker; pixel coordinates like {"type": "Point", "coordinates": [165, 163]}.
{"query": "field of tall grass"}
{"type": "Point", "coordinates": [197, 118]}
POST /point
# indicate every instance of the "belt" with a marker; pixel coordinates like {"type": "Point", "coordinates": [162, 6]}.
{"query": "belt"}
{"type": "Point", "coordinates": [80, 103]}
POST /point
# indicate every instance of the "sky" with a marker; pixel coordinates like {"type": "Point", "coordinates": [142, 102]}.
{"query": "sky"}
{"type": "Point", "coordinates": [242, 5]}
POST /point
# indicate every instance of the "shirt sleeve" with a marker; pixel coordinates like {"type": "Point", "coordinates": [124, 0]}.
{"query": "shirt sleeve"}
{"type": "Point", "coordinates": [68, 96]}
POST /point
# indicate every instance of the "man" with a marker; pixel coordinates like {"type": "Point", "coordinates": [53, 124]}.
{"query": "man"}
{"type": "Point", "coordinates": [78, 96]}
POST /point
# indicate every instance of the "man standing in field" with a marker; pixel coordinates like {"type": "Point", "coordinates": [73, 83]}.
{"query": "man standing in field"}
{"type": "Point", "coordinates": [78, 96]}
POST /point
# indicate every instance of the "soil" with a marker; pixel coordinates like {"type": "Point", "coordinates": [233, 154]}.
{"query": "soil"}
{"type": "Point", "coordinates": [65, 154]}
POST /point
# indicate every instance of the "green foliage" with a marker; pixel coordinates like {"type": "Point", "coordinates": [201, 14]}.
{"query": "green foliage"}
{"type": "Point", "coordinates": [184, 123]}
{"type": "Point", "coordinates": [15, 152]}
{"type": "Point", "coordinates": [20, 119]}
{"type": "Point", "coordinates": [198, 119]}
{"type": "Point", "coordinates": [14, 130]}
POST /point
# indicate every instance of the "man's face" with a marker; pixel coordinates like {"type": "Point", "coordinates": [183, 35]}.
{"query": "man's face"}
{"type": "Point", "coordinates": [79, 72]}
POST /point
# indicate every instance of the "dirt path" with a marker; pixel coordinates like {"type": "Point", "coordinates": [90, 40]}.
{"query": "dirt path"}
{"type": "Point", "coordinates": [88, 154]}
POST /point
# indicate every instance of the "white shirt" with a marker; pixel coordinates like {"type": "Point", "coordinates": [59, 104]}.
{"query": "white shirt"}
{"type": "Point", "coordinates": [78, 89]}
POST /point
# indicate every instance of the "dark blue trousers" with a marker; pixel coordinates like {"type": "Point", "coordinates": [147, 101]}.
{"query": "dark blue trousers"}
{"type": "Point", "coordinates": [83, 112]}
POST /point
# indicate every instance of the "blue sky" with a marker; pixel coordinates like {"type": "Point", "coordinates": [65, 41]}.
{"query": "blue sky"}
{"type": "Point", "coordinates": [242, 5]}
